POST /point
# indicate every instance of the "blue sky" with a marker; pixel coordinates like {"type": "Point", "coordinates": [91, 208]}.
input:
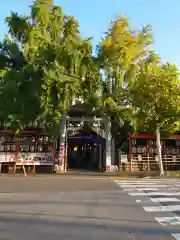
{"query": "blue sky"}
{"type": "Point", "coordinates": [94, 16]}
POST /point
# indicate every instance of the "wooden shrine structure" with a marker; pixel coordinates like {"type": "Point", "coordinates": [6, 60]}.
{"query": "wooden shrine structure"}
{"type": "Point", "coordinates": [142, 153]}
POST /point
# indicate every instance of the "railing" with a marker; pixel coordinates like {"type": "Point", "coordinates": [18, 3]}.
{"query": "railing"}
{"type": "Point", "coordinates": [150, 163]}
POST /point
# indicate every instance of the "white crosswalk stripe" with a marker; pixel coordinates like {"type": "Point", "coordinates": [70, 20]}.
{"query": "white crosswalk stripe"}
{"type": "Point", "coordinates": [169, 208]}
{"type": "Point", "coordinates": [156, 196]}
{"type": "Point", "coordinates": [165, 200]}
{"type": "Point", "coordinates": [165, 220]}
{"type": "Point", "coordinates": [176, 236]}
{"type": "Point", "coordinates": [143, 186]}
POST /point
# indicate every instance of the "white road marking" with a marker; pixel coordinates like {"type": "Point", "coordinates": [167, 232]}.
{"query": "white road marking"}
{"type": "Point", "coordinates": [173, 188]}
{"type": "Point", "coordinates": [149, 181]}
{"type": "Point", "coordinates": [147, 189]}
{"type": "Point", "coordinates": [139, 189]}
{"type": "Point", "coordinates": [130, 189]}
{"type": "Point", "coordinates": [175, 183]}
{"type": "Point", "coordinates": [128, 183]}
{"type": "Point", "coordinates": [159, 200]}
{"type": "Point", "coordinates": [143, 201]}
{"type": "Point", "coordinates": [138, 182]}
{"type": "Point", "coordinates": [168, 220]}
{"type": "Point", "coordinates": [143, 186]}
{"type": "Point", "coordinates": [176, 236]}
{"type": "Point", "coordinates": [155, 194]}
{"type": "Point", "coordinates": [169, 208]}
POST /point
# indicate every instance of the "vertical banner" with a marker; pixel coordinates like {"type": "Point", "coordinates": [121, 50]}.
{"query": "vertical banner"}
{"type": "Point", "coordinates": [61, 155]}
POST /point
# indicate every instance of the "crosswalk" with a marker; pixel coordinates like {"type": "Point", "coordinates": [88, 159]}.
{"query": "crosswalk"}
{"type": "Point", "coordinates": [160, 197]}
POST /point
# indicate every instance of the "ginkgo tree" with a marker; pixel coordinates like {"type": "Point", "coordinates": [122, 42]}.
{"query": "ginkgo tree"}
{"type": "Point", "coordinates": [155, 98]}
{"type": "Point", "coordinates": [45, 65]}
{"type": "Point", "coordinates": [120, 53]}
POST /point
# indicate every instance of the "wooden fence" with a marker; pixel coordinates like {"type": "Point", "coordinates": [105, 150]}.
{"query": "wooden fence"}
{"type": "Point", "coordinates": [150, 163]}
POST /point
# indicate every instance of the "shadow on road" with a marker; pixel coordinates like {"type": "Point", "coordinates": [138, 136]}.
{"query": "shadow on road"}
{"type": "Point", "coordinates": [13, 218]}
{"type": "Point", "coordinates": [73, 223]}
{"type": "Point", "coordinates": [60, 202]}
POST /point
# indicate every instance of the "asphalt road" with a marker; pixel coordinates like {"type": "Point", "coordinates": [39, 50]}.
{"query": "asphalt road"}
{"type": "Point", "coordinates": [71, 208]}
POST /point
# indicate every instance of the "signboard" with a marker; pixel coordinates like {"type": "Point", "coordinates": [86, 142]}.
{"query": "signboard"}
{"type": "Point", "coordinates": [124, 158]}
{"type": "Point", "coordinates": [36, 158]}
{"type": "Point", "coordinates": [108, 161]}
{"type": "Point", "coordinates": [28, 158]}
{"type": "Point", "coordinates": [7, 157]}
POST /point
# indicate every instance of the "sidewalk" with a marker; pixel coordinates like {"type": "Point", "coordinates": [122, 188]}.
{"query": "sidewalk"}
{"type": "Point", "coordinates": [84, 173]}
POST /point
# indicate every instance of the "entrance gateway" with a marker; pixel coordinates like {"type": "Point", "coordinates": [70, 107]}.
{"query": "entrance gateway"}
{"type": "Point", "coordinates": [36, 149]}
{"type": "Point", "coordinates": [87, 145]}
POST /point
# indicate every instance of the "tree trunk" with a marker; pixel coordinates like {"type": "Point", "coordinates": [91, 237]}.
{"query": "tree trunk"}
{"type": "Point", "coordinates": [158, 144]}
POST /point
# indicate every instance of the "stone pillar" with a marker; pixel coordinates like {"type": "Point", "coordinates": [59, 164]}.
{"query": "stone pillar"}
{"type": "Point", "coordinates": [110, 148]}
{"type": "Point", "coordinates": [108, 144]}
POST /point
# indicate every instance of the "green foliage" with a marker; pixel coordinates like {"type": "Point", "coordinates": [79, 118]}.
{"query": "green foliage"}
{"type": "Point", "coordinates": [155, 96]}
{"type": "Point", "coordinates": [44, 65]}
{"type": "Point", "coordinates": [121, 53]}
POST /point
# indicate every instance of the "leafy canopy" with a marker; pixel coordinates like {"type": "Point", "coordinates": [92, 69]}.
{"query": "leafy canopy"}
{"type": "Point", "coordinates": [155, 97]}
{"type": "Point", "coordinates": [120, 54]}
{"type": "Point", "coordinates": [45, 64]}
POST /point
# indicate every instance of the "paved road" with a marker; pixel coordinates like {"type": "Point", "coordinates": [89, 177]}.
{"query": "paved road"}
{"type": "Point", "coordinates": [74, 208]}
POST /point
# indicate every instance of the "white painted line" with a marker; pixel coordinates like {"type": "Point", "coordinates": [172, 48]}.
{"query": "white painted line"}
{"type": "Point", "coordinates": [176, 236]}
{"type": "Point", "coordinates": [143, 201]}
{"type": "Point", "coordinates": [138, 182]}
{"type": "Point", "coordinates": [130, 189]}
{"type": "Point", "coordinates": [147, 189]}
{"type": "Point", "coordinates": [143, 180]}
{"type": "Point", "coordinates": [143, 186]}
{"type": "Point", "coordinates": [155, 194]}
{"type": "Point", "coordinates": [159, 200]}
{"type": "Point", "coordinates": [149, 181]}
{"type": "Point", "coordinates": [173, 188]}
{"type": "Point", "coordinates": [139, 189]}
{"type": "Point", "coordinates": [169, 208]}
{"type": "Point", "coordinates": [168, 220]}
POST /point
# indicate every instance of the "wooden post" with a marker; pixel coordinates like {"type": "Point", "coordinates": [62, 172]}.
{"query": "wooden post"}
{"type": "Point", "coordinates": [34, 170]}
{"type": "Point", "coordinates": [29, 169]}
{"type": "Point", "coordinates": [24, 170]}
{"type": "Point", "coordinates": [14, 169]}
{"type": "Point", "coordinates": [165, 159]}
{"type": "Point", "coordinates": [165, 156]}
{"type": "Point", "coordinates": [148, 163]}
{"type": "Point", "coordinates": [16, 157]}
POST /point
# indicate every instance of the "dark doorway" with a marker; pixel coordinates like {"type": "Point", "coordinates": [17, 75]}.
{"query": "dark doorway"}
{"type": "Point", "coordinates": [85, 150]}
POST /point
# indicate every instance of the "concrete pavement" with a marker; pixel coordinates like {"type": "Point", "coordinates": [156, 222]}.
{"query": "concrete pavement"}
{"type": "Point", "coordinates": [72, 208]}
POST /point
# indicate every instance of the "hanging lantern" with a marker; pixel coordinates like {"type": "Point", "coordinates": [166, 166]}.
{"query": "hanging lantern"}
{"type": "Point", "coordinates": [75, 148]}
